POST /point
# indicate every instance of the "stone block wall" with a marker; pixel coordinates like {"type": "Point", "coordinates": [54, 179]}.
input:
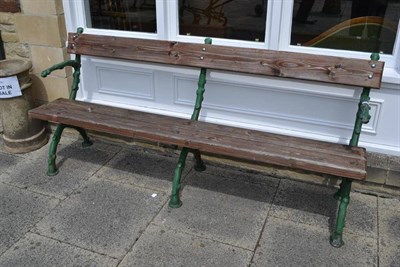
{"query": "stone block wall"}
{"type": "Point", "coordinates": [35, 30]}
{"type": "Point", "coordinates": [13, 48]}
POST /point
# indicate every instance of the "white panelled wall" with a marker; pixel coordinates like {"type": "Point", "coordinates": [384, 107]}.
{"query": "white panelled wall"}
{"type": "Point", "coordinates": [304, 109]}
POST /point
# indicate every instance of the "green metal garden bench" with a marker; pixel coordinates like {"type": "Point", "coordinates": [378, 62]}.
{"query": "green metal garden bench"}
{"type": "Point", "coordinates": [345, 161]}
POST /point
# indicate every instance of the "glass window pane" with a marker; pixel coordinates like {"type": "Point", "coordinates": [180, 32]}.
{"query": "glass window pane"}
{"type": "Point", "coordinates": [126, 15]}
{"type": "Point", "coordinates": [358, 25]}
{"type": "Point", "coordinates": [232, 19]}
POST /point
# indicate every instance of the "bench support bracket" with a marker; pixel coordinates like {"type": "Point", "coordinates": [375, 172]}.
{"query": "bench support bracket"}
{"type": "Point", "coordinates": [199, 163]}
{"type": "Point", "coordinates": [343, 194]}
{"type": "Point", "coordinates": [175, 202]}
{"type": "Point", "coordinates": [51, 168]}
{"type": "Point", "coordinates": [336, 239]}
{"type": "Point", "coordinates": [76, 64]}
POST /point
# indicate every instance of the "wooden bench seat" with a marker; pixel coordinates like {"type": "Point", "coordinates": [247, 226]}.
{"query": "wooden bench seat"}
{"type": "Point", "coordinates": [344, 161]}
{"type": "Point", "coordinates": [255, 146]}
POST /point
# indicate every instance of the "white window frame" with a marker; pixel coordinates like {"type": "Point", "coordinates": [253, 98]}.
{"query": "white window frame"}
{"type": "Point", "coordinates": [278, 32]}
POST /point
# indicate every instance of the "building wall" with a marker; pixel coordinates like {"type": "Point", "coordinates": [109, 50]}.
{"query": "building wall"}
{"type": "Point", "coordinates": [35, 30]}
{"type": "Point", "coordinates": [13, 48]}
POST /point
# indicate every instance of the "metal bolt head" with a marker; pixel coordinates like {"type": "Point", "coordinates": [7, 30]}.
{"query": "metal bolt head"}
{"type": "Point", "coordinates": [370, 76]}
{"type": "Point", "coordinates": [72, 46]}
{"type": "Point", "coordinates": [204, 49]}
{"type": "Point", "coordinates": [201, 58]}
{"type": "Point", "coordinates": [373, 65]}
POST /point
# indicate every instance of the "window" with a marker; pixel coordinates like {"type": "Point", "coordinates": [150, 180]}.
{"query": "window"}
{"type": "Point", "coordinates": [125, 15]}
{"type": "Point", "coordinates": [231, 19]}
{"type": "Point", "coordinates": [358, 25]}
{"type": "Point", "coordinates": [332, 27]}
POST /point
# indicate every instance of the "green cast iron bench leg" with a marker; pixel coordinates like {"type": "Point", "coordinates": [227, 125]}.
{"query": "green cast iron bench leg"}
{"type": "Point", "coordinates": [199, 163]}
{"type": "Point", "coordinates": [51, 168]}
{"type": "Point", "coordinates": [343, 194]}
{"type": "Point", "coordinates": [76, 64]}
{"type": "Point", "coordinates": [175, 201]}
{"type": "Point", "coordinates": [336, 239]}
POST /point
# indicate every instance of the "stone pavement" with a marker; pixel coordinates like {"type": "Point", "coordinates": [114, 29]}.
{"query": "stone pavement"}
{"type": "Point", "coordinates": [108, 207]}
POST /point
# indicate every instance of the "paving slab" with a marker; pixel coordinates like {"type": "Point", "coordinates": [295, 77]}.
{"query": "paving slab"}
{"type": "Point", "coordinates": [288, 243]}
{"type": "Point", "coordinates": [160, 246]}
{"type": "Point", "coordinates": [76, 165]}
{"type": "Point", "coordinates": [315, 205]}
{"type": "Point", "coordinates": [105, 217]}
{"type": "Point", "coordinates": [7, 160]}
{"type": "Point", "coordinates": [220, 180]}
{"type": "Point", "coordinates": [222, 209]}
{"type": "Point", "coordinates": [240, 174]}
{"type": "Point", "coordinates": [37, 251]}
{"type": "Point", "coordinates": [142, 168]}
{"type": "Point", "coordinates": [389, 232]}
{"type": "Point", "coordinates": [20, 210]}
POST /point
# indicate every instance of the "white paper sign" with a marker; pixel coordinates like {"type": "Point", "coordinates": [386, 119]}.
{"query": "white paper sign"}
{"type": "Point", "coordinates": [9, 87]}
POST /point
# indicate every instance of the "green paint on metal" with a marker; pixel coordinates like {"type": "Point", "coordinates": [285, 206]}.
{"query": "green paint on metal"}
{"type": "Point", "coordinates": [175, 202]}
{"type": "Point", "coordinates": [362, 116]}
{"type": "Point", "coordinates": [86, 140]}
{"type": "Point", "coordinates": [374, 56]}
{"type": "Point", "coordinates": [336, 237]}
{"type": "Point", "coordinates": [338, 194]}
{"type": "Point", "coordinates": [76, 76]}
{"type": "Point", "coordinates": [59, 66]}
{"type": "Point", "coordinates": [51, 168]}
{"type": "Point", "coordinates": [77, 70]}
{"type": "Point", "coordinates": [200, 89]}
{"type": "Point", "coordinates": [199, 95]}
{"type": "Point", "coordinates": [343, 194]}
{"type": "Point", "coordinates": [76, 64]}
{"type": "Point", "coordinates": [199, 165]}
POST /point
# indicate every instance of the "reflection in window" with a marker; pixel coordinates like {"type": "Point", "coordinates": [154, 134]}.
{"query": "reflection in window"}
{"type": "Point", "coordinates": [232, 19]}
{"type": "Point", "coordinates": [126, 15]}
{"type": "Point", "coordinates": [358, 25]}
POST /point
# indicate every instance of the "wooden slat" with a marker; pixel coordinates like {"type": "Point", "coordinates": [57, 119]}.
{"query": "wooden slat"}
{"type": "Point", "coordinates": [337, 70]}
{"type": "Point", "coordinates": [256, 146]}
{"type": "Point", "coordinates": [12, 6]}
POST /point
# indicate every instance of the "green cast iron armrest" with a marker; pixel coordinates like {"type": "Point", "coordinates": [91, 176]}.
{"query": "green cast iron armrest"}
{"type": "Point", "coordinates": [60, 66]}
{"type": "Point", "coordinates": [75, 63]}
{"type": "Point", "coordinates": [77, 71]}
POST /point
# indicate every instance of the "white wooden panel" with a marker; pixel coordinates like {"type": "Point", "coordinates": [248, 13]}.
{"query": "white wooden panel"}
{"type": "Point", "coordinates": [271, 106]}
{"type": "Point", "coordinates": [310, 110]}
{"type": "Point", "coordinates": [117, 82]}
{"type": "Point", "coordinates": [126, 83]}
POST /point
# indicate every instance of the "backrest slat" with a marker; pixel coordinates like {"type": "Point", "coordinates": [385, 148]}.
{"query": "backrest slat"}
{"type": "Point", "coordinates": [337, 70]}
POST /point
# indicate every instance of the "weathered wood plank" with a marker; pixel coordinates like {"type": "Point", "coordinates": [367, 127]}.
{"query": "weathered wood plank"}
{"type": "Point", "coordinates": [337, 70]}
{"type": "Point", "coordinates": [256, 146]}
{"type": "Point", "coordinates": [12, 6]}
